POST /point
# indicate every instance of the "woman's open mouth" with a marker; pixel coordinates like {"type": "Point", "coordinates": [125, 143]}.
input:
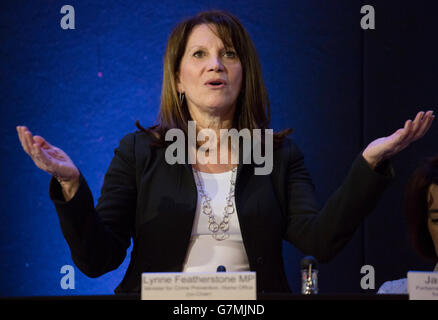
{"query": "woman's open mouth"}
{"type": "Point", "coordinates": [216, 83]}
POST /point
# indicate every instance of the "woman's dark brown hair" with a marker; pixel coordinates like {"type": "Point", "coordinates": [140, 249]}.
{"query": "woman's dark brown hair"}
{"type": "Point", "coordinates": [252, 106]}
{"type": "Point", "coordinates": [417, 206]}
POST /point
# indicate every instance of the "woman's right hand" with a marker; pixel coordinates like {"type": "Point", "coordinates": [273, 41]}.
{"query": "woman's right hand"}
{"type": "Point", "coordinates": [50, 159]}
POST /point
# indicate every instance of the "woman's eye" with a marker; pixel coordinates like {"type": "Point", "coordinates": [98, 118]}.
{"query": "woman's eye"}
{"type": "Point", "coordinates": [198, 54]}
{"type": "Point", "coordinates": [230, 54]}
{"type": "Point", "coordinates": [227, 54]}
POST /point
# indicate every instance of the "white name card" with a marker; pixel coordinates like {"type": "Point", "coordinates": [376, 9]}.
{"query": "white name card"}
{"type": "Point", "coordinates": [199, 286]}
{"type": "Point", "coordinates": [423, 285]}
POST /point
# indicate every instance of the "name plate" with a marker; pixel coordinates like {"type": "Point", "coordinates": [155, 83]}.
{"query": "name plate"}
{"type": "Point", "coordinates": [423, 285]}
{"type": "Point", "coordinates": [198, 286]}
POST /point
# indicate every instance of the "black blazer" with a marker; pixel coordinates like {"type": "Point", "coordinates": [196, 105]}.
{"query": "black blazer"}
{"type": "Point", "coordinates": [154, 203]}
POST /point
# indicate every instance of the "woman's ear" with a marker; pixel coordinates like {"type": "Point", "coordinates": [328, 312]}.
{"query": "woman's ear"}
{"type": "Point", "coordinates": [179, 86]}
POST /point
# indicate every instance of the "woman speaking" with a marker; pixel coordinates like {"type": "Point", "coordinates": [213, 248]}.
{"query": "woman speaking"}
{"type": "Point", "coordinates": [185, 217]}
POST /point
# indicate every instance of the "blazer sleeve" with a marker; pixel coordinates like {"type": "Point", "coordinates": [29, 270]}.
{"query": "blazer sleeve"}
{"type": "Point", "coordinates": [98, 237]}
{"type": "Point", "coordinates": [323, 233]}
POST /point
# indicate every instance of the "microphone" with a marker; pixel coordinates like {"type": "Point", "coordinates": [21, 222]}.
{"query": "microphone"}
{"type": "Point", "coordinates": [221, 269]}
{"type": "Point", "coordinates": [309, 275]}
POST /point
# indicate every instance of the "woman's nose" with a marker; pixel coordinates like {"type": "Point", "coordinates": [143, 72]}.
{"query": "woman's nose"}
{"type": "Point", "coordinates": [215, 64]}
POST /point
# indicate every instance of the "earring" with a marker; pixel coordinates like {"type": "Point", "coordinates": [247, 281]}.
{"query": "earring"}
{"type": "Point", "coordinates": [181, 97]}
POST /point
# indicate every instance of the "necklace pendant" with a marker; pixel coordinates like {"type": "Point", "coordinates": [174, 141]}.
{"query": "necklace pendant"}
{"type": "Point", "coordinates": [206, 208]}
{"type": "Point", "coordinates": [220, 236]}
{"type": "Point", "coordinates": [213, 227]}
{"type": "Point", "coordinates": [224, 226]}
{"type": "Point", "coordinates": [229, 209]}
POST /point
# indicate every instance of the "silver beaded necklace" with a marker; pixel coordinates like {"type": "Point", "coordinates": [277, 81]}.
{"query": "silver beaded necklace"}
{"type": "Point", "coordinates": [218, 229]}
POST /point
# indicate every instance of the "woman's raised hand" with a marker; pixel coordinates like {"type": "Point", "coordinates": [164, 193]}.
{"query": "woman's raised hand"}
{"type": "Point", "coordinates": [384, 148]}
{"type": "Point", "coordinates": [50, 159]}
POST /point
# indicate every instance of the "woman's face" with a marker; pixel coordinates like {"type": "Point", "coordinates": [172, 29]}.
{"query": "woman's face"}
{"type": "Point", "coordinates": [206, 60]}
{"type": "Point", "coordinates": [432, 219]}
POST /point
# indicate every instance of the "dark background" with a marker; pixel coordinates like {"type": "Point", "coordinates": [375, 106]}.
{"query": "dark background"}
{"type": "Point", "coordinates": [338, 86]}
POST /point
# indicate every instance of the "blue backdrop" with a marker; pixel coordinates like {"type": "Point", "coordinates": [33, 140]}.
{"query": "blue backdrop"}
{"type": "Point", "coordinates": [83, 89]}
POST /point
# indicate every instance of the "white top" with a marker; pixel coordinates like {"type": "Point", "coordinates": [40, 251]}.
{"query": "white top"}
{"type": "Point", "coordinates": [205, 253]}
{"type": "Point", "coordinates": [399, 286]}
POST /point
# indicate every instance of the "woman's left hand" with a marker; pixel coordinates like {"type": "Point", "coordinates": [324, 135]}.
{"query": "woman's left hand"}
{"type": "Point", "coordinates": [384, 148]}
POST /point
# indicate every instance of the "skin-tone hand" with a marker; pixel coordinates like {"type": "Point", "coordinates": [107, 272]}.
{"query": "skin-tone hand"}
{"type": "Point", "coordinates": [386, 147]}
{"type": "Point", "coordinates": [52, 160]}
